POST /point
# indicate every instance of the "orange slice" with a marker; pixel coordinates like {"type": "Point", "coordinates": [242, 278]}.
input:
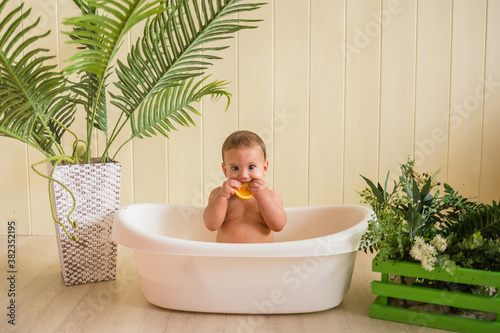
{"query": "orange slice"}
{"type": "Point", "coordinates": [243, 192]}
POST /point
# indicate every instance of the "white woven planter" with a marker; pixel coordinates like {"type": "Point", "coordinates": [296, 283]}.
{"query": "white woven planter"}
{"type": "Point", "coordinates": [96, 188]}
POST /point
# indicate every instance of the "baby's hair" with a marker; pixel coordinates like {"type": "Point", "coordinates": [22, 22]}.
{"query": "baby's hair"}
{"type": "Point", "coordinates": [243, 139]}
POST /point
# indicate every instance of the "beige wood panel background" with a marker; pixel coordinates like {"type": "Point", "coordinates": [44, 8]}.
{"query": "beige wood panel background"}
{"type": "Point", "coordinates": [397, 85]}
{"type": "Point", "coordinates": [362, 88]}
{"type": "Point", "coordinates": [490, 148]}
{"type": "Point", "coordinates": [432, 88]}
{"type": "Point", "coordinates": [326, 103]}
{"type": "Point", "coordinates": [291, 106]}
{"type": "Point", "coordinates": [467, 80]}
{"type": "Point", "coordinates": [335, 88]}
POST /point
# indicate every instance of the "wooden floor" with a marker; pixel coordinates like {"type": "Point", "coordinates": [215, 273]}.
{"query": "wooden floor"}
{"type": "Point", "coordinates": [44, 304]}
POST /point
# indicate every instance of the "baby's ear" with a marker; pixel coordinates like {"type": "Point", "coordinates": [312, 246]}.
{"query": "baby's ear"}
{"type": "Point", "coordinates": [266, 166]}
{"type": "Point", "coordinates": [224, 169]}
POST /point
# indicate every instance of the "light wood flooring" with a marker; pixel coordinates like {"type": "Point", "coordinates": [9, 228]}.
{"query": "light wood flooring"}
{"type": "Point", "coordinates": [44, 304]}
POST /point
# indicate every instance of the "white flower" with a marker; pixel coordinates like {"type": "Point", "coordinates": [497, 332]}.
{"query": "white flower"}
{"type": "Point", "coordinates": [492, 291]}
{"type": "Point", "coordinates": [428, 263]}
{"type": "Point", "coordinates": [429, 250]}
{"type": "Point", "coordinates": [439, 242]}
{"type": "Point", "coordinates": [419, 241]}
{"type": "Point", "coordinates": [416, 250]}
{"type": "Point", "coordinates": [415, 253]}
{"type": "Point", "coordinates": [424, 252]}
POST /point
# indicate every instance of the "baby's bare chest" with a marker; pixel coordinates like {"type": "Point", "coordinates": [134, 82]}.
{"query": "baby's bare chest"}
{"type": "Point", "coordinates": [243, 210]}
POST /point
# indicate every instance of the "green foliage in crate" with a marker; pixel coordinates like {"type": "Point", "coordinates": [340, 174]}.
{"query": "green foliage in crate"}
{"type": "Point", "coordinates": [414, 222]}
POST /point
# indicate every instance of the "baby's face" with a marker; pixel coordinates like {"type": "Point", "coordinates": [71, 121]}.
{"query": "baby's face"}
{"type": "Point", "coordinates": [244, 164]}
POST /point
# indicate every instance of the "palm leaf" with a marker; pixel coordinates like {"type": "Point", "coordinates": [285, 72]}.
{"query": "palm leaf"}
{"type": "Point", "coordinates": [172, 105]}
{"type": "Point", "coordinates": [86, 88]}
{"type": "Point", "coordinates": [100, 31]}
{"type": "Point", "coordinates": [84, 6]}
{"type": "Point", "coordinates": [171, 54]}
{"type": "Point", "coordinates": [32, 93]}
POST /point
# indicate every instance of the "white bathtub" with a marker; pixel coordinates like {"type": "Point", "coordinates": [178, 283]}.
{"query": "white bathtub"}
{"type": "Point", "coordinates": [308, 268]}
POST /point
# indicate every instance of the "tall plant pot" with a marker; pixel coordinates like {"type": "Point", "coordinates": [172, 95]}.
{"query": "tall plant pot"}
{"type": "Point", "coordinates": [96, 188]}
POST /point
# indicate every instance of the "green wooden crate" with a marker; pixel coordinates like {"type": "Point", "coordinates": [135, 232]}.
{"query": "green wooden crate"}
{"type": "Point", "coordinates": [386, 288]}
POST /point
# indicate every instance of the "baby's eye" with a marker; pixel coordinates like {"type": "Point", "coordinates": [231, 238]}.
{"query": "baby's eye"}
{"type": "Point", "coordinates": [235, 168]}
{"type": "Point", "coordinates": [251, 167]}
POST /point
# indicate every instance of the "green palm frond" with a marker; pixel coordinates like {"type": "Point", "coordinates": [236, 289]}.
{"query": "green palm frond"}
{"type": "Point", "coordinates": [100, 32]}
{"type": "Point", "coordinates": [162, 76]}
{"type": "Point", "coordinates": [33, 94]}
{"type": "Point", "coordinates": [158, 86]}
{"type": "Point", "coordinates": [485, 218]}
{"type": "Point", "coordinates": [171, 105]}
{"type": "Point", "coordinates": [86, 88]}
{"type": "Point", "coordinates": [84, 7]}
{"type": "Point", "coordinates": [174, 51]}
{"type": "Point", "coordinates": [102, 29]}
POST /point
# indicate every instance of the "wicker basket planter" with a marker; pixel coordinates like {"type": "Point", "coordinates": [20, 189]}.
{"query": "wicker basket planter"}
{"type": "Point", "coordinates": [96, 188]}
{"type": "Point", "coordinates": [388, 289]}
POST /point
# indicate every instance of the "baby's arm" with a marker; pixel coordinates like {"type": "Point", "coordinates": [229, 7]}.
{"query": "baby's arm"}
{"type": "Point", "coordinates": [215, 212]}
{"type": "Point", "coordinates": [270, 205]}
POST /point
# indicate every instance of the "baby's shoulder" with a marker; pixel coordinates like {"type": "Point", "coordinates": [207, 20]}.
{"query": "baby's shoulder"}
{"type": "Point", "coordinates": [276, 197]}
{"type": "Point", "coordinates": [214, 192]}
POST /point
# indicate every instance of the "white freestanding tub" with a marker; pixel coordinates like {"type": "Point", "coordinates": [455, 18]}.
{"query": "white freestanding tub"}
{"type": "Point", "coordinates": [308, 268]}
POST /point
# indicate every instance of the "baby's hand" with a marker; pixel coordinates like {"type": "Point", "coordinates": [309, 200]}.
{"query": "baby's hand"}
{"type": "Point", "coordinates": [228, 188]}
{"type": "Point", "coordinates": [258, 187]}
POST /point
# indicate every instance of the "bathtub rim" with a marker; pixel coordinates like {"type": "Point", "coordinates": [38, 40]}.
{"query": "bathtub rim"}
{"type": "Point", "coordinates": [128, 234]}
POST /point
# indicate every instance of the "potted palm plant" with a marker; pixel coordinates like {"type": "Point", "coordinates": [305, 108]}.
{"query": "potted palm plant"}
{"type": "Point", "coordinates": [156, 86]}
{"type": "Point", "coordinates": [438, 255]}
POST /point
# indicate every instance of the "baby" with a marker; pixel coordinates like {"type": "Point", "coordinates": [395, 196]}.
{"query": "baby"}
{"type": "Point", "coordinates": [238, 220]}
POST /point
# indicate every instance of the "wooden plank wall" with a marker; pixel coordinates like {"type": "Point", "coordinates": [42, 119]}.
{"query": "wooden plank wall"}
{"type": "Point", "coordinates": [335, 88]}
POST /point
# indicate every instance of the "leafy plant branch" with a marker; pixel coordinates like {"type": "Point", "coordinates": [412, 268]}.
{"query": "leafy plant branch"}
{"type": "Point", "coordinates": [161, 78]}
